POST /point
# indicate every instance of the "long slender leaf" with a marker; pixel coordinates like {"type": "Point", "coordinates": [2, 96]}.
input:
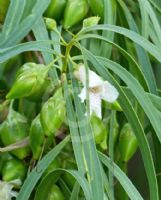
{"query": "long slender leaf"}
{"type": "Point", "coordinates": [10, 52]}
{"type": "Point", "coordinates": [13, 17]}
{"type": "Point", "coordinates": [151, 48]}
{"type": "Point", "coordinates": [41, 33]}
{"type": "Point", "coordinates": [123, 179]}
{"type": "Point", "coordinates": [140, 75]}
{"type": "Point", "coordinates": [36, 174]}
{"type": "Point", "coordinates": [73, 126]}
{"type": "Point", "coordinates": [52, 177]}
{"type": "Point", "coordinates": [90, 153]}
{"type": "Point", "coordinates": [26, 25]}
{"type": "Point", "coordinates": [142, 55]}
{"type": "Point", "coordinates": [135, 124]}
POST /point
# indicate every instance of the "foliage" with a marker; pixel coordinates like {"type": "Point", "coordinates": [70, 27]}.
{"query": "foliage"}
{"type": "Point", "coordinates": [80, 99]}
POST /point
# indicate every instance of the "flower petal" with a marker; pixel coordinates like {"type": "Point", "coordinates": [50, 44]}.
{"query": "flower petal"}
{"type": "Point", "coordinates": [82, 95]}
{"type": "Point", "coordinates": [6, 191]}
{"type": "Point", "coordinates": [109, 92]}
{"type": "Point", "coordinates": [94, 79]}
{"type": "Point", "coordinates": [95, 104]}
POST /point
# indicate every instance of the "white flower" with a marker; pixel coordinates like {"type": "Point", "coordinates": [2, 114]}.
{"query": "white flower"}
{"type": "Point", "coordinates": [6, 192]}
{"type": "Point", "coordinates": [98, 90]}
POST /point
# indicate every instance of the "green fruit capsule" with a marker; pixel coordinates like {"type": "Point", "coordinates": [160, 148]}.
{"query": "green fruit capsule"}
{"type": "Point", "coordinates": [31, 82]}
{"type": "Point", "coordinates": [55, 193]}
{"type": "Point", "coordinates": [53, 113]}
{"type": "Point", "coordinates": [14, 169]}
{"type": "Point", "coordinates": [14, 129]}
{"type": "Point", "coordinates": [98, 128]}
{"type": "Point", "coordinates": [127, 143]}
{"type": "Point", "coordinates": [55, 9]}
{"type": "Point", "coordinates": [3, 158]}
{"type": "Point", "coordinates": [97, 7]}
{"type": "Point", "coordinates": [75, 11]}
{"type": "Point", "coordinates": [36, 137]}
{"type": "Point", "coordinates": [3, 9]}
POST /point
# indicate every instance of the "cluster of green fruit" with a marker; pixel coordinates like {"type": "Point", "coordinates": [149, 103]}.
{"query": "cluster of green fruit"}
{"type": "Point", "coordinates": [33, 85]}
{"type": "Point", "coordinates": [69, 11]}
{"type": "Point", "coordinates": [72, 12]}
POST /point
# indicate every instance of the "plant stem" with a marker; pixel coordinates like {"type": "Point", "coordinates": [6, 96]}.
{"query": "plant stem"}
{"type": "Point", "coordinates": [67, 52]}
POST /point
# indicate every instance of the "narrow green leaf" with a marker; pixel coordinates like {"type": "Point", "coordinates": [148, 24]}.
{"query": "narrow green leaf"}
{"type": "Point", "coordinates": [26, 25]}
{"type": "Point", "coordinates": [140, 75]}
{"type": "Point", "coordinates": [153, 17]}
{"type": "Point", "coordinates": [148, 46]}
{"type": "Point", "coordinates": [10, 52]}
{"type": "Point", "coordinates": [142, 55]}
{"type": "Point", "coordinates": [73, 127]}
{"type": "Point", "coordinates": [75, 192]}
{"type": "Point", "coordinates": [135, 124]}
{"type": "Point", "coordinates": [121, 177]}
{"type": "Point", "coordinates": [37, 172]}
{"type": "Point", "coordinates": [51, 178]}
{"type": "Point", "coordinates": [94, 172]}
{"type": "Point", "coordinates": [41, 33]}
{"type": "Point", "coordinates": [109, 18]}
{"type": "Point", "coordinates": [13, 17]}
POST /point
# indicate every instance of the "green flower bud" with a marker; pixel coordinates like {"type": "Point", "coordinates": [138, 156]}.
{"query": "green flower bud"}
{"type": "Point", "coordinates": [55, 193]}
{"type": "Point", "coordinates": [14, 129]}
{"type": "Point", "coordinates": [112, 106]}
{"type": "Point", "coordinates": [98, 128]}
{"type": "Point", "coordinates": [50, 24]}
{"type": "Point", "coordinates": [53, 113]}
{"type": "Point", "coordinates": [75, 11]}
{"type": "Point", "coordinates": [36, 137]}
{"type": "Point", "coordinates": [14, 169]}
{"type": "Point", "coordinates": [116, 106]}
{"type": "Point", "coordinates": [56, 9]}
{"type": "Point", "coordinates": [90, 21]}
{"type": "Point", "coordinates": [127, 143]}
{"type": "Point", "coordinates": [31, 82]}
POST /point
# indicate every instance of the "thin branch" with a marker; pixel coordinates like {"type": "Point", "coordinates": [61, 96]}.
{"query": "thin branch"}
{"type": "Point", "coordinates": [17, 145]}
{"type": "Point", "coordinates": [37, 54]}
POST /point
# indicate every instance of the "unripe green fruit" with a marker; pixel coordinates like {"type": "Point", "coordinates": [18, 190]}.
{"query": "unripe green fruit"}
{"type": "Point", "coordinates": [75, 11]}
{"type": "Point", "coordinates": [98, 128]}
{"type": "Point", "coordinates": [14, 169]}
{"type": "Point", "coordinates": [36, 137]}
{"type": "Point", "coordinates": [31, 82]}
{"type": "Point", "coordinates": [53, 113]}
{"type": "Point", "coordinates": [14, 129]}
{"type": "Point", "coordinates": [97, 7]}
{"type": "Point", "coordinates": [3, 158]}
{"type": "Point", "coordinates": [127, 143]}
{"type": "Point", "coordinates": [55, 9]}
{"type": "Point", "coordinates": [55, 193]}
